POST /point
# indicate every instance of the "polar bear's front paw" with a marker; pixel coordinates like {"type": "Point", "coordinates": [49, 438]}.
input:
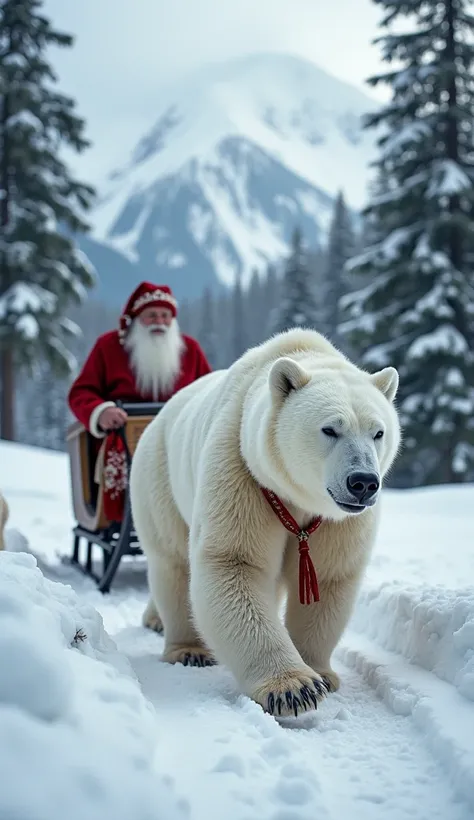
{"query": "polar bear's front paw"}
{"type": "Point", "coordinates": [291, 694]}
{"type": "Point", "coordinates": [189, 656]}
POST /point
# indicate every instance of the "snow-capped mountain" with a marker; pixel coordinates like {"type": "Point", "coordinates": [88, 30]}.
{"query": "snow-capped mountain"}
{"type": "Point", "coordinates": [239, 154]}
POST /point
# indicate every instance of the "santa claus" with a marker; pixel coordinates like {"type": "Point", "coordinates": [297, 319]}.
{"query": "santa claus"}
{"type": "Point", "coordinates": [147, 359]}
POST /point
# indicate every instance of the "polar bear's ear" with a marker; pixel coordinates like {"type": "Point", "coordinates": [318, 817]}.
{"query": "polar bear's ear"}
{"type": "Point", "coordinates": [285, 376]}
{"type": "Point", "coordinates": [386, 381]}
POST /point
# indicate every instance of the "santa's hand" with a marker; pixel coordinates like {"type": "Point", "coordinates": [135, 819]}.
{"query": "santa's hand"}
{"type": "Point", "coordinates": [111, 418]}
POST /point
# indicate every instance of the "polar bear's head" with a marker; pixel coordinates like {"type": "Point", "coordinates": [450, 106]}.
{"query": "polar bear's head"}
{"type": "Point", "coordinates": [334, 432]}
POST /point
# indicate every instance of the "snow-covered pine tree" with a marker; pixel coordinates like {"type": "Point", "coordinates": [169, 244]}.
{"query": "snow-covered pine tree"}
{"type": "Point", "coordinates": [416, 307]}
{"type": "Point", "coordinates": [255, 309]}
{"type": "Point", "coordinates": [186, 316]}
{"type": "Point", "coordinates": [341, 247]}
{"type": "Point", "coordinates": [239, 320]}
{"type": "Point", "coordinates": [270, 297]}
{"type": "Point", "coordinates": [42, 205]}
{"type": "Point", "coordinates": [223, 320]}
{"type": "Point", "coordinates": [298, 304]}
{"type": "Point", "coordinates": [207, 336]}
{"type": "Point", "coordinates": [42, 413]}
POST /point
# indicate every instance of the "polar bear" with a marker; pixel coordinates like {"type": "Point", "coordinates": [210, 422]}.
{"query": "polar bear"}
{"type": "Point", "coordinates": [291, 429]}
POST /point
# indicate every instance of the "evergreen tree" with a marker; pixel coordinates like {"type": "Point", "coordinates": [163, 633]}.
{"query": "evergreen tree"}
{"type": "Point", "coordinates": [373, 230]}
{"type": "Point", "coordinates": [255, 309]}
{"type": "Point", "coordinates": [416, 307]}
{"type": "Point", "coordinates": [207, 336]}
{"type": "Point", "coordinates": [42, 411]}
{"type": "Point", "coordinates": [223, 321]}
{"type": "Point", "coordinates": [185, 317]}
{"type": "Point", "coordinates": [239, 327]}
{"type": "Point", "coordinates": [41, 271]}
{"type": "Point", "coordinates": [341, 247]}
{"type": "Point", "coordinates": [298, 305]}
{"type": "Point", "coordinates": [270, 298]}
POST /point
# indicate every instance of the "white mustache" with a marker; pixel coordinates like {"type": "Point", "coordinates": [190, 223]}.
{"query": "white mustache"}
{"type": "Point", "coordinates": [162, 328]}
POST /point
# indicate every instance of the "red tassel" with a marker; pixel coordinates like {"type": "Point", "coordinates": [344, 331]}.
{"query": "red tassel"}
{"type": "Point", "coordinates": [308, 578]}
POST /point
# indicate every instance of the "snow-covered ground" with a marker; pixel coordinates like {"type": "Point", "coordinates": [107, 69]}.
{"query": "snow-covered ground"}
{"type": "Point", "coordinates": [93, 725]}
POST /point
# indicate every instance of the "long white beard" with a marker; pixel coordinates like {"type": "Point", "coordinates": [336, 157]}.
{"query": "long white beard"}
{"type": "Point", "coordinates": [155, 357]}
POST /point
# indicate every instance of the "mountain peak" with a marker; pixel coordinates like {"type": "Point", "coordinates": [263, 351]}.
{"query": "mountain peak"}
{"type": "Point", "coordinates": [273, 98]}
{"type": "Point", "coordinates": [222, 141]}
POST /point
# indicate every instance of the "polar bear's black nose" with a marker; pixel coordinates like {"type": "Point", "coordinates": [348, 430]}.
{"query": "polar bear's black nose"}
{"type": "Point", "coordinates": [363, 485]}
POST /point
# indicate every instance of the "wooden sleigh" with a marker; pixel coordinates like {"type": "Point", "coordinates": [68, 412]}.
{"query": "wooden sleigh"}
{"type": "Point", "coordinates": [115, 538]}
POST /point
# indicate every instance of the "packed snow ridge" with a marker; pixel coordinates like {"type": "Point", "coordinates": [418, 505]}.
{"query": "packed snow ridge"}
{"type": "Point", "coordinates": [77, 734]}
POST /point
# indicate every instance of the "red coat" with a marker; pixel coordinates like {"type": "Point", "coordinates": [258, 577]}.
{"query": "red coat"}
{"type": "Point", "coordinates": [107, 377]}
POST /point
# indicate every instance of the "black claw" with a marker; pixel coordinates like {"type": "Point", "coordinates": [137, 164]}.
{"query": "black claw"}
{"type": "Point", "coordinates": [327, 683]}
{"type": "Point", "coordinates": [294, 703]}
{"type": "Point", "coordinates": [190, 659]}
{"type": "Point", "coordinates": [305, 695]}
{"type": "Point", "coordinates": [314, 699]}
{"type": "Point", "coordinates": [320, 687]}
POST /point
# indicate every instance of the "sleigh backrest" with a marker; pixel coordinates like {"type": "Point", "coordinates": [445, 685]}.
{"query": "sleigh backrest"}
{"type": "Point", "coordinates": [83, 450]}
{"type": "Point", "coordinates": [139, 417]}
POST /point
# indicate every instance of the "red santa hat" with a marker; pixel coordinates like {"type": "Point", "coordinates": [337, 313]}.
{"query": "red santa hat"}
{"type": "Point", "coordinates": [145, 295]}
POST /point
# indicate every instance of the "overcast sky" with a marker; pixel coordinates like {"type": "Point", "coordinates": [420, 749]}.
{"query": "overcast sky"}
{"type": "Point", "coordinates": [126, 50]}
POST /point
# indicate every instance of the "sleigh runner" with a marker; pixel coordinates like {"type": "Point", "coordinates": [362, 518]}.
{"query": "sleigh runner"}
{"type": "Point", "coordinates": [99, 471]}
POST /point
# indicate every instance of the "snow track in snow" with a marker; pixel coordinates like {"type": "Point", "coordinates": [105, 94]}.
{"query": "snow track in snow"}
{"type": "Point", "coordinates": [396, 742]}
{"type": "Point", "coordinates": [356, 755]}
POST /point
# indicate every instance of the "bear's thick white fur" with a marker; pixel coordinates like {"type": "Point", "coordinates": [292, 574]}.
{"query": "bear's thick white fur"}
{"type": "Point", "coordinates": [219, 560]}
